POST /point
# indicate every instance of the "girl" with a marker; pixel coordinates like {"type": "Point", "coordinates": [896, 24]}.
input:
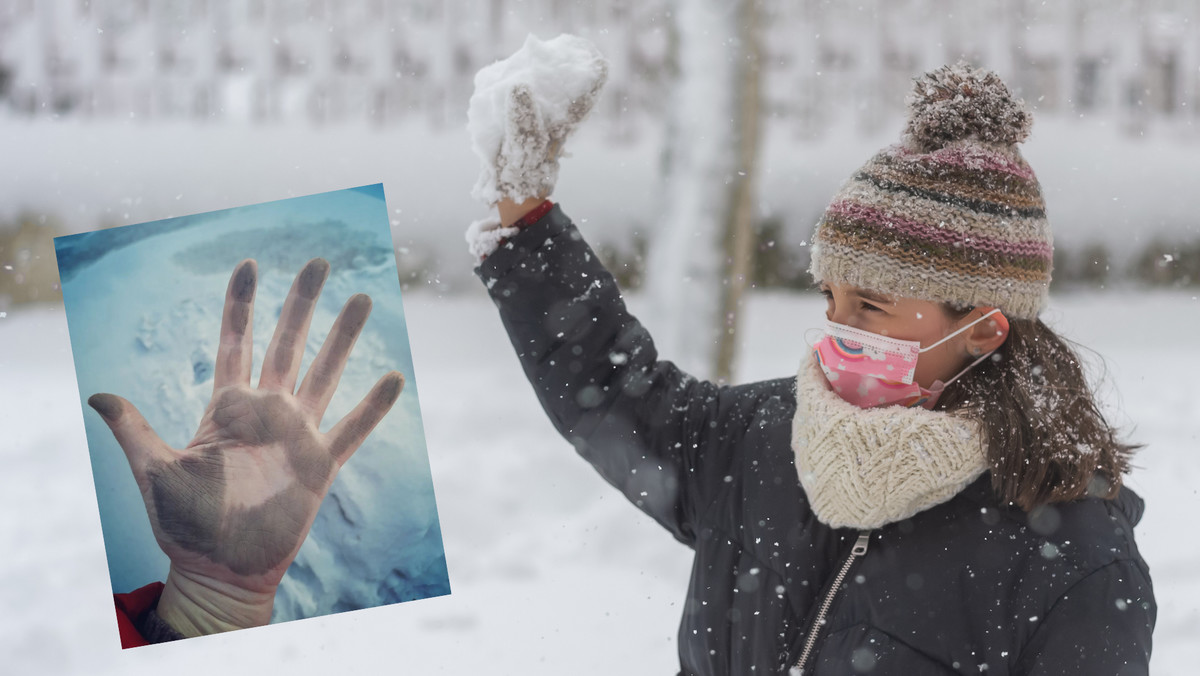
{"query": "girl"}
{"type": "Point", "coordinates": [935, 492]}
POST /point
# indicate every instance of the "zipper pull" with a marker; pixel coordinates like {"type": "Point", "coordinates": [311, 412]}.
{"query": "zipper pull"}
{"type": "Point", "coordinates": [860, 545]}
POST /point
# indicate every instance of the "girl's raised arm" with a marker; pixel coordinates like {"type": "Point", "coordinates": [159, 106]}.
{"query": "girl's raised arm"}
{"type": "Point", "coordinates": [645, 425]}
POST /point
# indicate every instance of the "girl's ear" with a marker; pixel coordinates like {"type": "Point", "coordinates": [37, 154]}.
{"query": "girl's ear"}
{"type": "Point", "coordinates": [988, 334]}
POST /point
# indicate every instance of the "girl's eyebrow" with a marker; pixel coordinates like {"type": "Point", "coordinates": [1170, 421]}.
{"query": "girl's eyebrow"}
{"type": "Point", "coordinates": [863, 293]}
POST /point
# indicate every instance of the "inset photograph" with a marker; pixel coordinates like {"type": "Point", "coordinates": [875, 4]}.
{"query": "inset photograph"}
{"type": "Point", "coordinates": [252, 415]}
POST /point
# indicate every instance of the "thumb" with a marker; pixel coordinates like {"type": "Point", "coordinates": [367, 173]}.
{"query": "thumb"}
{"type": "Point", "coordinates": [133, 433]}
{"type": "Point", "coordinates": [582, 105]}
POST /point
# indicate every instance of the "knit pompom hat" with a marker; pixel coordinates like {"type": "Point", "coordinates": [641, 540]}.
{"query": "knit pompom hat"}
{"type": "Point", "coordinates": [951, 213]}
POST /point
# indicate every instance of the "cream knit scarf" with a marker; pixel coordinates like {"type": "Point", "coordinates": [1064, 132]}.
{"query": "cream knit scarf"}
{"type": "Point", "coordinates": [864, 468]}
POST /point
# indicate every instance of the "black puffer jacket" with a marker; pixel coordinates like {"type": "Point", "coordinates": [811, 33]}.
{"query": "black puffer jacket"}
{"type": "Point", "coordinates": [966, 587]}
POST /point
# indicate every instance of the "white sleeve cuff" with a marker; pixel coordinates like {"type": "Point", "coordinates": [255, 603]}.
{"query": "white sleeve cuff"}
{"type": "Point", "coordinates": [483, 236]}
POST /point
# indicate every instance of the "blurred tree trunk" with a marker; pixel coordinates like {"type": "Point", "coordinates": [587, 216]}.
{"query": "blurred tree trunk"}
{"type": "Point", "coordinates": [30, 272]}
{"type": "Point", "coordinates": [702, 253]}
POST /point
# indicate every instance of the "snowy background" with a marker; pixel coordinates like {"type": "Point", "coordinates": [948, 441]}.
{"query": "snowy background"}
{"type": "Point", "coordinates": [551, 571]}
{"type": "Point", "coordinates": [144, 309]}
{"type": "Point", "coordinates": [303, 97]}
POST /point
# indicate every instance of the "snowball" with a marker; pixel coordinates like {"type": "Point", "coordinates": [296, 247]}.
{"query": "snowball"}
{"type": "Point", "coordinates": [559, 72]}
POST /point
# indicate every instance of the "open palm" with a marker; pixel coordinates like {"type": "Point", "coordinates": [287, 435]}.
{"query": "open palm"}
{"type": "Point", "coordinates": [231, 509]}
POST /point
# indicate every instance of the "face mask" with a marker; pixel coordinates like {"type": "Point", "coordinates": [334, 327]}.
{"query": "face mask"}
{"type": "Point", "coordinates": [869, 370]}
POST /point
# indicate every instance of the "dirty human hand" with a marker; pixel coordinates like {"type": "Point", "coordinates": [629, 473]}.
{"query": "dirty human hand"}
{"type": "Point", "coordinates": [232, 508]}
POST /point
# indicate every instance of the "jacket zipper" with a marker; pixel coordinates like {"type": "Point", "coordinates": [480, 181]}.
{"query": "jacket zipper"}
{"type": "Point", "coordinates": [859, 549]}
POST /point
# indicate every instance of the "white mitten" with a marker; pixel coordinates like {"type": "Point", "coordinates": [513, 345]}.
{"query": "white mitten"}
{"type": "Point", "coordinates": [524, 108]}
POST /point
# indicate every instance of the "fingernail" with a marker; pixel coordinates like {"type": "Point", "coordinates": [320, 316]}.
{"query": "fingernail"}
{"type": "Point", "coordinates": [108, 406]}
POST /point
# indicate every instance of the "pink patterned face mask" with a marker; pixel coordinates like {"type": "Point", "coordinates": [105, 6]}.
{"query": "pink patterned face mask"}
{"type": "Point", "coordinates": [869, 370]}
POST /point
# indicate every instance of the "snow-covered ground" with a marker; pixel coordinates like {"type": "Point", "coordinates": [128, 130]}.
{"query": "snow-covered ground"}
{"type": "Point", "coordinates": [552, 572]}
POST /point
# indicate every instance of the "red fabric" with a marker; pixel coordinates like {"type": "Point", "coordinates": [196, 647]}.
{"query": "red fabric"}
{"type": "Point", "coordinates": [130, 607]}
{"type": "Point", "coordinates": [534, 215]}
{"type": "Point", "coordinates": [530, 218]}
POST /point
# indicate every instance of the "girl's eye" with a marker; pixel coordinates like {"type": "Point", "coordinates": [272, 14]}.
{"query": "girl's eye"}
{"type": "Point", "coordinates": [827, 293]}
{"type": "Point", "coordinates": [870, 308]}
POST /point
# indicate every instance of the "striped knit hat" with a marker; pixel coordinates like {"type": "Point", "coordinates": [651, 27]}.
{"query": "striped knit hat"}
{"type": "Point", "coordinates": [952, 213]}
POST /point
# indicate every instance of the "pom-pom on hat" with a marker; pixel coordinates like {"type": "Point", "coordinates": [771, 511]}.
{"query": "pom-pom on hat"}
{"type": "Point", "coordinates": [951, 213]}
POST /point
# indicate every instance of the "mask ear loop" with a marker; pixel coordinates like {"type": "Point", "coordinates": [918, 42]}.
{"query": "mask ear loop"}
{"type": "Point", "coordinates": [985, 355]}
{"type": "Point", "coordinates": [808, 332]}
{"type": "Point", "coordinates": [971, 366]}
{"type": "Point", "coordinates": [994, 311]}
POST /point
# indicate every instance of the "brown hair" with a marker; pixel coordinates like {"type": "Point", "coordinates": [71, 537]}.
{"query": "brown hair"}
{"type": "Point", "coordinates": [1046, 438]}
